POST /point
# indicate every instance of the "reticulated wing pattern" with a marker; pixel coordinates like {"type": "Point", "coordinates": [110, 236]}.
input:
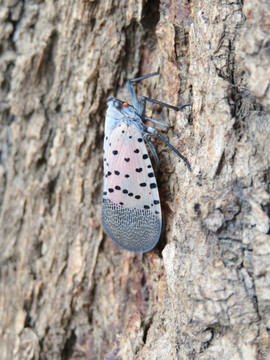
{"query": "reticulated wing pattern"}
{"type": "Point", "coordinates": [132, 229]}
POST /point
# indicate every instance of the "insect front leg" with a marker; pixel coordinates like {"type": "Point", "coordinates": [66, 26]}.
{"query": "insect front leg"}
{"type": "Point", "coordinates": [139, 106]}
{"type": "Point", "coordinates": [151, 130]}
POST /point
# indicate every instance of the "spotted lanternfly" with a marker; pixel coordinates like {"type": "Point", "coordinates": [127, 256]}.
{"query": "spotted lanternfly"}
{"type": "Point", "coordinates": [131, 212]}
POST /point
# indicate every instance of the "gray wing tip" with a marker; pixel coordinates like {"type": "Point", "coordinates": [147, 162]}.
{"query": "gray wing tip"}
{"type": "Point", "coordinates": [135, 230]}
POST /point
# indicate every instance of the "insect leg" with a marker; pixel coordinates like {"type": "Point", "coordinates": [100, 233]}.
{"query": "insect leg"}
{"type": "Point", "coordinates": [151, 130]}
{"type": "Point", "coordinates": [143, 100]}
{"type": "Point", "coordinates": [145, 76]}
{"type": "Point", "coordinates": [157, 122]}
{"type": "Point", "coordinates": [140, 107]}
{"type": "Point", "coordinates": [147, 138]}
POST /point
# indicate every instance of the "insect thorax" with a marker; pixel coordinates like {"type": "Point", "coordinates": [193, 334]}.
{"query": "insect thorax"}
{"type": "Point", "coordinates": [119, 112]}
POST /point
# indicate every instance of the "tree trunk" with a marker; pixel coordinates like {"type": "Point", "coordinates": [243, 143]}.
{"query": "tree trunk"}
{"type": "Point", "coordinates": [66, 290]}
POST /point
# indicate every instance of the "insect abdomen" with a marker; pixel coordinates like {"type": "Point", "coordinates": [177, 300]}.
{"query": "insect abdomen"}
{"type": "Point", "coordinates": [135, 230]}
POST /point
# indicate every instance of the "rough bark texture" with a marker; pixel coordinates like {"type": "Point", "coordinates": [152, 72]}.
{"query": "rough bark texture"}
{"type": "Point", "coordinates": [66, 291]}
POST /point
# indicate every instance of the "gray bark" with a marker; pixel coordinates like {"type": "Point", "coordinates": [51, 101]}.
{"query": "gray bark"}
{"type": "Point", "coordinates": [68, 292]}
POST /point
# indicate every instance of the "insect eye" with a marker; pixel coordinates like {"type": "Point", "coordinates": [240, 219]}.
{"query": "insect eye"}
{"type": "Point", "coordinates": [117, 104]}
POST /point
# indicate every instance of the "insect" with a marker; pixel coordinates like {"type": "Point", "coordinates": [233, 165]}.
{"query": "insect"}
{"type": "Point", "coordinates": [131, 212]}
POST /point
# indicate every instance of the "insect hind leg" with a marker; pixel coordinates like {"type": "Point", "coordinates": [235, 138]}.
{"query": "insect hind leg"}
{"type": "Point", "coordinates": [151, 130]}
{"type": "Point", "coordinates": [147, 138]}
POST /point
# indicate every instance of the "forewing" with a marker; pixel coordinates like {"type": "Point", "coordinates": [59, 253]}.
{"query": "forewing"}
{"type": "Point", "coordinates": [131, 213]}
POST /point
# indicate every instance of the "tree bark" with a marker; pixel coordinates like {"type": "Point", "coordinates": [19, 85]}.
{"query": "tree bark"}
{"type": "Point", "coordinates": [66, 290]}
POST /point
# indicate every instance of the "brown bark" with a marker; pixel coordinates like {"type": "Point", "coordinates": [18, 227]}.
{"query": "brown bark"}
{"type": "Point", "coordinates": [66, 291]}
